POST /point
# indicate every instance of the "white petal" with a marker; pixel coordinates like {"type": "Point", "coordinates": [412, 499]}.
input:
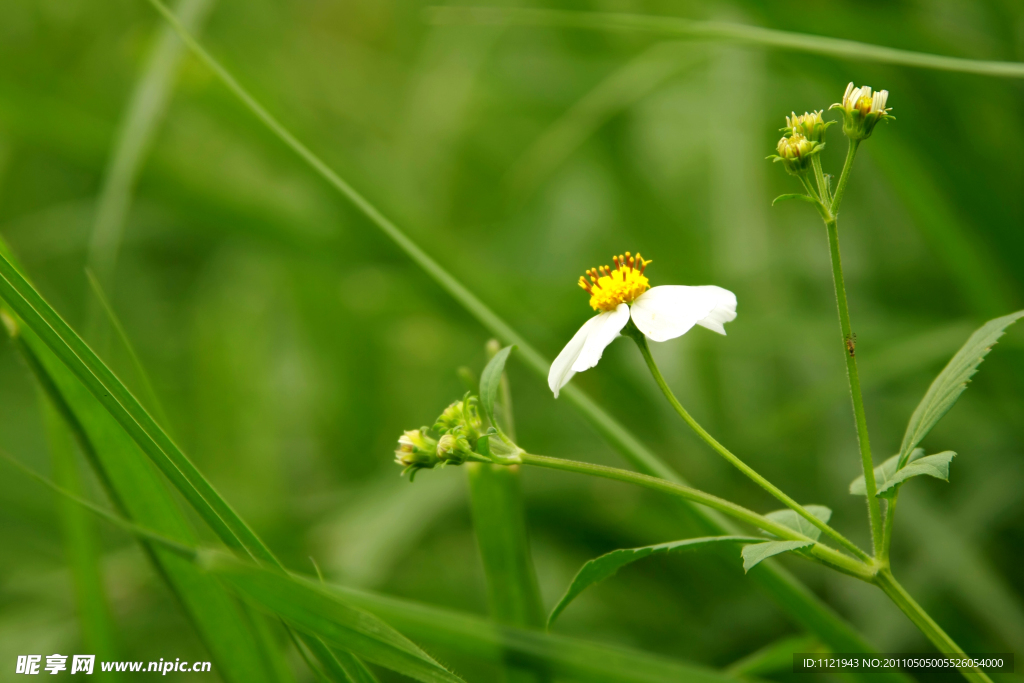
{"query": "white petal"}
{"type": "Point", "coordinates": [724, 310]}
{"type": "Point", "coordinates": [599, 327]}
{"type": "Point", "coordinates": [604, 333]}
{"type": "Point", "coordinates": [667, 312]}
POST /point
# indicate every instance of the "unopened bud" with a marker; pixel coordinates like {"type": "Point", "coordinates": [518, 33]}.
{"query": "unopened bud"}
{"type": "Point", "coordinates": [454, 447]}
{"type": "Point", "coordinates": [809, 124]}
{"type": "Point", "coordinates": [416, 450]}
{"type": "Point", "coordinates": [461, 414]}
{"type": "Point", "coordinates": [862, 110]}
{"type": "Point", "coordinates": [795, 152]}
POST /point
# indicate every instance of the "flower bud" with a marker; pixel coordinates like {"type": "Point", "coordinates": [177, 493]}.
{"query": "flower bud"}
{"type": "Point", "coordinates": [862, 109]}
{"type": "Point", "coordinates": [416, 450]}
{"type": "Point", "coordinates": [809, 124]}
{"type": "Point", "coordinates": [454, 447]}
{"type": "Point", "coordinates": [795, 152]}
{"type": "Point", "coordinates": [460, 414]}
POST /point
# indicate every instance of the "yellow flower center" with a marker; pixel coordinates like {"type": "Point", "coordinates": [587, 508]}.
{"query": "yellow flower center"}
{"type": "Point", "coordinates": [608, 288]}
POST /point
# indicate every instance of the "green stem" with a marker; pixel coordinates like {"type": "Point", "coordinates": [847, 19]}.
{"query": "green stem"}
{"type": "Point", "coordinates": [641, 341]}
{"type": "Point", "coordinates": [819, 176]}
{"type": "Point", "coordinates": [890, 516]}
{"type": "Point", "coordinates": [923, 621]}
{"type": "Point", "coordinates": [819, 551]}
{"type": "Point", "coordinates": [844, 177]}
{"type": "Point", "coordinates": [849, 352]}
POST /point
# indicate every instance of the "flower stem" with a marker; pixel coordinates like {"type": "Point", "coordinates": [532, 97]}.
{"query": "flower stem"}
{"type": "Point", "coordinates": [945, 645]}
{"type": "Point", "coordinates": [818, 551]}
{"type": "Point", "coordinates": [849, 352]}
{"type": "Point", "coordinates": [645, 349]}
{"type": "Point", "coordinates": [844, 177]}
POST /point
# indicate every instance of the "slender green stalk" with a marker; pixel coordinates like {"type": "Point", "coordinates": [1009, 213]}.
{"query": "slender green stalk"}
{"type": "Point", "coordinates": [849, 352]}
{"type": "Point", "coordinates": [641, 341]}
{"type": "Point", "coordinates": [819, 177]}
{"type": "Point", "coordinates": [940, 639]}
{"type": "Point", "coordinates": [819, 551]}
{"type": "Point", "coordinates": [143, 533]}
{"type": "Point", "coordinates": [717, 30]}
{"type": "Point", "coordinates": [890, 517]}
{"type": "Point", "coordinates": [140, 370]}
{"type": "Point", "coordinates": [844, 177]}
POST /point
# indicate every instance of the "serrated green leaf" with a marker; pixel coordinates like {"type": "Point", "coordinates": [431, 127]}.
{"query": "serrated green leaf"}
{"type": "Point", "coordinates": [490, 382]}
{"type": "Point", "coordinates": [788, 197]}
{"type": "Point", "coordinates": [607, 565]}
{"type": "Point", "coordinates": [888, 475]}
{"type": "Point", "coordinates": [952, 381]}
{"type": "Point", "coordinates": [791, 519]}
{"type": "Point", "coordinates": [931, 465]}
{"type": "Point", "coordinates": [759, 552]}
{"type": "Point", "coordinates": [313, 608]}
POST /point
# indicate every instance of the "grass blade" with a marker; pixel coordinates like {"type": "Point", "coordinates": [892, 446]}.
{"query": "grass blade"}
{"type": "Point", "coordinates": [789, 593]}
{"type": "Point", "coordinates": [142, 497]}
{"type": "Point", "coordinates": [115, 322]}
{"type": "Point", "coordinates": [313, 609]}
{"type": "Point", "coordinates": [607, 565]}
{"type": "Point", "coordinates": [80, 542]}
{"type": "Point", "coordinates": [563, 657]}
{"type": "Point", "coordinates": [499, 521]}
{"type": "Point", "coordinates": [722, 31]}
{"type": "Point", "coordinates": [141, 118]}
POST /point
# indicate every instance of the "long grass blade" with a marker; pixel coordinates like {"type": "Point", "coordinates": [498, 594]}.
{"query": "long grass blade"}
{"type": "Point", "coordinates": [140, 370]}
{"type": "Point", "coordinates": [80, 541]}
{"type": "Point", "coordinates": [803, 605]}
{"type": "Point", "coordinates": [72, 361]}
{"type": "Point", "coordinates": [720, 31]}
{"type": "Point", "coordinates": [141, 119]}
{"type": "Point", "coordinates": [565, 658]}
{"type": "Point", "coordinates": [142, 497]}
{"type": "Point", "coordinates": [311, 608]}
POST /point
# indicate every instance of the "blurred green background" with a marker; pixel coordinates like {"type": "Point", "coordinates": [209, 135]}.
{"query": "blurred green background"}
{"type": "Point", "coordinates": [290, 342]}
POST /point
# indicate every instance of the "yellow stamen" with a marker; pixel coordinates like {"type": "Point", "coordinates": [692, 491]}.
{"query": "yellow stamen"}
{"type": "Point", "coordinates": [608, 288]}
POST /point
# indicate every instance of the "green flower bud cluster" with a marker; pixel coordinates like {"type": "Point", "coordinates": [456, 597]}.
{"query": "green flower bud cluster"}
{"type": "Point", "coordinates": [453, 439]}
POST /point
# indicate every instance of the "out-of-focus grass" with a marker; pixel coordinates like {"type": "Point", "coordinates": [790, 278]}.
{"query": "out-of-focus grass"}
{"type": "Point", "coordinates": [291, 345]}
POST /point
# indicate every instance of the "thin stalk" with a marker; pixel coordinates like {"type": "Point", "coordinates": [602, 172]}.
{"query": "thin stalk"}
{"type": "Point", "coordinates": [641, 341]}
{"type": "Point", "coordinates": [844, 177]}
{"type": "Point", "coordinates": [819, 176]}
{"type": "Point", "coordinates": [849, 352]}
{"type": "Point", "coordinates": [945, 645]}
{"type": "Point", "coordinates": [819, 551]}
{"type": "Point", "coordinates": [890, 516]}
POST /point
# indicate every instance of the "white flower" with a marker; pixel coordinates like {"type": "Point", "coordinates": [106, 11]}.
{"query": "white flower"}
{"type": "Point", "coordinates": [660, 313]}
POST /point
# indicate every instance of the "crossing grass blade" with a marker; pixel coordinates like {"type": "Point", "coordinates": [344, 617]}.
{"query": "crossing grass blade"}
{"type": "Point", "coordinates": [805, 607]}
{"type": "Point", "coordinates": [313, 609]}
{"type": "Point", "coordinates": [563, 657]}
{"type": "Point", "coordinates": [81, 374]}
{"type": "Point", "coordinates": [81, 544]}
{"type": "Point", "coordinates": [720, 31]}
{"type": "Point", "coordinates": [136, 489]}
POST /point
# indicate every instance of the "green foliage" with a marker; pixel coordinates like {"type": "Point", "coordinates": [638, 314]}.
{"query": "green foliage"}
{"type": "Point", "coordinates": [889, 475]}
{"type": "Point", "coordinates": [606, 566]}
{"type": "Point", "coordinates": [490, 382]}
{"type": "Point", "coordinates": [952, 381]}
{"type": "Point", "coordinates": [757, 553]}
{"type": "Point", "coordinates": [797, 523]}
{"type": "Point", "coordinates": [314, 609]}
